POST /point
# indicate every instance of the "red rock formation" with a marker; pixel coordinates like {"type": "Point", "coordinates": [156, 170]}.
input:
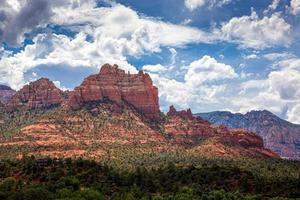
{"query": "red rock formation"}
{"type": "Point", "coordinates": [186, 114]}
{"type": "Point", "coordinates": [279, 135]}
{"type": "Point", "coordinates": [6, 93]}
{"type": "Point", "coordinates": [114, 84]}
{"type": "Point", "coordinates": [38, 94]}
{"type": "Point", "coordinates": [184, 129]}
{"type": "Point", "coordinates": [117, 123]}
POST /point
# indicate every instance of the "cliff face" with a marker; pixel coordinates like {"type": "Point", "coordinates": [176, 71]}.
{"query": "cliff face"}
{"type": "Point", "coordinates": [38, 94]}
{"type": "Point", "coordinates": [6, 93]}
{"type": "Point", "coordinates": [114, 84]}
{"type": "Point", "coordinates": [279, 135]}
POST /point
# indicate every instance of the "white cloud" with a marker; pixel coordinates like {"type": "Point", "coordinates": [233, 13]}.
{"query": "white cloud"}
{"type": "Point", "coordinates": [272, 7]}
{"type": "Point", "coordinates": [154, 68]}
{"type": "Point", "coordinates": [194, 4]}
{"type": "Point", "coordinates": [54, 50]}
{"type": "Point", "coordinates": [220, 2]}
{"type": "Point", "coordinates": [20, 17]}
{"type": "Point", "coordinates": [245, 75]}
{"type": "Point", "coordinates": [293, 114]}
{"type": "Point", "coordinates": [276, 56]}
{"type": "Point", "coordinates": [290, 63]}
{"type": "Point", "coordinates": [186, 21]}
{"type": "Point", "coordinates": [207, 85]}
{"type": "Point", "coordinates": [274, 4]}
{"type": "Point", "coordinates": [114, 33]}
{"type": "Point", "coordinates": [201, 83]}
{"type": "Point", "coordinates": [279, 92]}
{"type": "Point", "coordinates": [286, 83]}
{"type": "Point", "coordinates": [295, 5]}
{"type": "Point", "coordinates": [110, 34]}
{"type": "Point", "coordinates": [135, 32]}
{"type": "Point", "coordinates": [257, 33]}
{"type": "Point", "coordinates": [250, 57]}
{"type": "Point", "coordinates": [182, 95]}
{"type": "Point", "coordinates": [207, 69]}
{"type": "Point", "coordinates": [58, 84]}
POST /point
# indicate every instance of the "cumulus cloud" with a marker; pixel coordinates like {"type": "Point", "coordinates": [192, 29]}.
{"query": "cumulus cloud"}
{"type": "Point", "coordinates": [19, 17]}
{"type": "Point", "coordinates": [182, 95]}
{"type": "Point", "coordinates": [105, 34]}
{"type": "Point", "coordinates": [201, 83]}
{"type": "Point", "coordinates": [274, 4]}
{"type": "Point", "coordinates": [293, 114]}
{"type": "Point", "coordinates": [278, 56]}
{"type": "Point", "coordinates": [285, 83]}
{"type": "Point", "coordinates": [289, 63]}
{"type": "Point", "coordinates": [111, 34]}
{"type": "Point", "coordinates": [250, 57]}
{"type": "Point", "coordinates": [295, 6]}
{"type": "Point", "coordinates": [117, 22]}
{"type": "Point", "coordinates": [279, 92]}
{"type": "Point", "coordinates": [257, 33]}
{"type": "Point", "coordinates": [55, 49]}
{"type": "Point", "coordinates": [154, 68]}
{"type": "Point", "coordinates": [207, 69]}
{"type": "Point", "coordinates": [132, 32]}
{"type": "Point", "coordinates": [58, 84]}
{"type": "Point", "coordinates": [207, 85]}
{"type": "Point", "coordinates": [194, 4]}
{"type": "Point", "coordinates": [272, 7]}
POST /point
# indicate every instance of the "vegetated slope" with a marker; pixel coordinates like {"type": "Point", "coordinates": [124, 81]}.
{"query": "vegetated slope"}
{"type": "Point", "coordinates": [279, 135]}
{"type": "Point", "coordinates": [111, 113]}
{"type": "Point", "coordinates": [87, 132]}
{"type": "Point", "coordinates": [101, 129]}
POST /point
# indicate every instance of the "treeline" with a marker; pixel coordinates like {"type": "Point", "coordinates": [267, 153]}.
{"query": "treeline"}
{"type": "Point", "coordinates": [78, 179]}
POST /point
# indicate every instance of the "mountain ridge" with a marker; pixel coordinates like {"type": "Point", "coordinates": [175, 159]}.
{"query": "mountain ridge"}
{"type": "Point", "coordinates": [279, 135]}
{"type": "Point", "coordinates": [6, 93]}
{"type": "Point", "coordinates": [110, 110]}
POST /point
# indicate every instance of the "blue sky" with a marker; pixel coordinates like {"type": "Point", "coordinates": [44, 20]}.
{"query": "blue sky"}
{"type": "Point", "coordinates": [206, 55]}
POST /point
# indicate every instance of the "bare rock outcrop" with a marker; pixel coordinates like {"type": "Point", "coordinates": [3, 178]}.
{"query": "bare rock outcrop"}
{"type": "Point", "coordinates": [185, 129]}
{"type": "Point", "coordinates": [118, 86]}
{"type": "Point", "coordinates": [38, 94]}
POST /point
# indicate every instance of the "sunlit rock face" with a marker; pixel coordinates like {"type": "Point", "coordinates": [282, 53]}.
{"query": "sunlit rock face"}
{"type": "Point", "coordinates": [118, 86]}
{"type": "Point", "coordinates": [38, 94]}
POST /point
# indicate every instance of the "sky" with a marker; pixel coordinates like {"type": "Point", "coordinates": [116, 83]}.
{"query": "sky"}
{"type": "Point", "coordinates": [207, 55]}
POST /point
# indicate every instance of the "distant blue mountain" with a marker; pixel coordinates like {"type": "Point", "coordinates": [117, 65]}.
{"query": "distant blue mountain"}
{"type": "Point", "coordinates": [279, 135]}
{"type": "Point", "coordinates": [5, 93]}
{"type": "Point", "coordinates": [5, 87]}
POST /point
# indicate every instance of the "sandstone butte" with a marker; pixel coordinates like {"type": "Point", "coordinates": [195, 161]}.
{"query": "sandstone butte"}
{"type": "Point", "coordinates": [114, 84]}
{"type": "Point", "coordinates": [38, 94]}
{"type": "Point", "coordinates": [111, 83]}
